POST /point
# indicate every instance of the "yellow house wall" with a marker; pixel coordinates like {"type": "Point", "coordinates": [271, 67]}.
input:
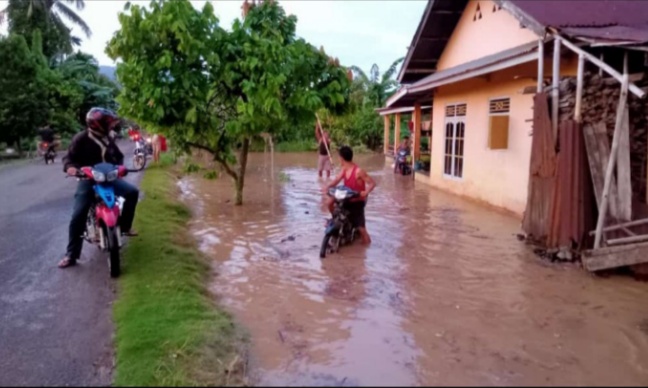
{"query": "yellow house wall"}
{"type": "Point", "coordinates": [494, 32]}
{"type": "Point", "coordinates": [496, 177]}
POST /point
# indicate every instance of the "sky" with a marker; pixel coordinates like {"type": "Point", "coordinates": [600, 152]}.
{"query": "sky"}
{"type": "Point", "coordinates": [358, 32]}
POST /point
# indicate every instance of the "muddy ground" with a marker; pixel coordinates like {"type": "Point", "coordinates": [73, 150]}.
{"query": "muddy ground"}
{"type": "Point", "coordinates": [445, 295]}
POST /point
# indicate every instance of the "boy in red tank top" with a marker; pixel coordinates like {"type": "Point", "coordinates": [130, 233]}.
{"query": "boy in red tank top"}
{"type": "Point", "coordinates": [358, 180]}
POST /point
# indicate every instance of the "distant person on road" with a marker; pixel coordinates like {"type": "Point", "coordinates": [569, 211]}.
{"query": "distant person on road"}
{"type": "Point", "coordinates": [357, 180]}
{"type": "Point", "coordinates": [48, 135]}
{"type": "Point", "coordinates": [88, 148]}
{"type": "Point", "coordinates": [323, 158]}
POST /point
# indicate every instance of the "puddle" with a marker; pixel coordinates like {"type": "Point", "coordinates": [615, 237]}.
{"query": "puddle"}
{"type": "Point", "coordinates": [445, 295]}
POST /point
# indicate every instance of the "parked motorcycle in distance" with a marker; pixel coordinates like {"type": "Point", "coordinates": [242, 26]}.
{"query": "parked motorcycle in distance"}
{"type": "Point", "coordinates": [46, 150]}
{"type": "Point", "coordinates": [402, 162]}
{"type": "Point", "coordinates": [102, 225]}
{"type": "Point", "coordinates": [339, 230]}
{"type": "Point", "coordinates": [143, 149]}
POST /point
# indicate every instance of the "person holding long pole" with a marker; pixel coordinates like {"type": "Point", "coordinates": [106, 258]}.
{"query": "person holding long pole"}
{"type": "Point", "coordinates": [324, 162]}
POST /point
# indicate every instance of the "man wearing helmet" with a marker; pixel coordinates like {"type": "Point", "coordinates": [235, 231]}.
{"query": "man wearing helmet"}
{"type": "Point", "coordinates": [93, 146]}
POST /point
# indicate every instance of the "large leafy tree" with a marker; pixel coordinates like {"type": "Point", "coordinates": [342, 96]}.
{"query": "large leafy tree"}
{"type": "Point", "coordinates": [216, 90]}
{"type": "Point", "coordinates": [23, 105]}
{"type": "Point", "coordinates": [26, 16]}
{"type": "Point", "coordinates": [378, 87]}
{"type": "Point", "coordinates": [82, 70]}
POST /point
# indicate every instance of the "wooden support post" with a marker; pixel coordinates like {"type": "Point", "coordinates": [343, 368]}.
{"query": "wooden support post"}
{"type": "Point", "coordinates": [602, 58]}
{"type": "Point", "coordinates": [397, 133]}
{"type": "Point", "coordinates": [624, 225]}
{"type": "Point", "coordinates": [579, 88]}
{"type": "Point", "coordinates": [555, 101]}
{"type": "Point", "coordinates": [416, 134]}
{"type": "Point", "coordinates": [637, 91]}
{"type": "Point", "coordinates": [386, 135]}
{"type": "Point", "coordinates": [540, 65]}
{"type": "Point", "coordinates": [611, 162]}
{"type": "Point", "coordinates": [624, 182]}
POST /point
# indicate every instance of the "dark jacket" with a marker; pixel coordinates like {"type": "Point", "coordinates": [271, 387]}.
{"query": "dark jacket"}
{"type": "Point", "coordinates": [85, 152]}
{"type": "Point", "coordinates": [46, 134]}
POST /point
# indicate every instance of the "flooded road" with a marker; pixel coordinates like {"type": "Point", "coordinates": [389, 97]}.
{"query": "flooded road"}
{"type": "Point", "coordinates": [445, 295]}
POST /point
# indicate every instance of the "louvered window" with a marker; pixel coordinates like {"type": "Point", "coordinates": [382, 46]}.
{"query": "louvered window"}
{"type": "Point", "coordinates": [498, 123]}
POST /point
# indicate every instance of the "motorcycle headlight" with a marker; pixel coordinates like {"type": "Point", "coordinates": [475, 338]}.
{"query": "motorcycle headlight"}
{"type": "Point", "coordinates": [113, 175]}
{"type": "Point", "coordinates": [148, 139]}
{"type": "Point", "coordinates": [340, 194]}
{"type": "Point", "coordinates": [98, 176]}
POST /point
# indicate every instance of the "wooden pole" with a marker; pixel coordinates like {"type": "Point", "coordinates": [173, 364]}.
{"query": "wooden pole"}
{"type": "Point", "coordinates": [611, 162]}
{"type": "Point", "coordinates": [540, 65]}
{"type": "Point", "coordinates": [555, 85]}
{"type": "Point", "coordinates": [397, 132]}
{"type": "Point", "coordinates": [622, 226]}
{"type": "Point", "coordinates": [579, 88]}
{"type": "Point", "coordinates": [416, 135]}
{"type": "Point", "coordinates": [386, 135]}
{"type": "Point", "coordinates": [607, 68]}
{"type": "Point", "coordinates": [602, 58]}
{"type": "Point", "coordinates": [323, 139]}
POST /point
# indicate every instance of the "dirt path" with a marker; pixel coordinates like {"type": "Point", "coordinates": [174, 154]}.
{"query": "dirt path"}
{"type": "Point", "coordinates": [446, 295]}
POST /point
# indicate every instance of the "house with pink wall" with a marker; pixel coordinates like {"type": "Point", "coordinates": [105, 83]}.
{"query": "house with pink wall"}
{"type": "Point", "coordinates": [470, 75]}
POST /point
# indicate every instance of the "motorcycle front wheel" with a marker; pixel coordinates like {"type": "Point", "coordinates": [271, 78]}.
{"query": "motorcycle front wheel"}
{"type": "Point", "coordinates": [330, 243]}
{"type": "Point", "coordinates": [139, 161]}
{"type": "Point", "coordinates": [114, 262]}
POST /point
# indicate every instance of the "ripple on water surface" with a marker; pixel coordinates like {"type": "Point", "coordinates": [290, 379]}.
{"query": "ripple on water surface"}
{"type": "Point", "coordinates": [445, 295]}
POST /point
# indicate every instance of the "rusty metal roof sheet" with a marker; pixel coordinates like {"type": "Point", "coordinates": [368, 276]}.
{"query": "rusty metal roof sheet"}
{"type": "Point", "coordinates": [610, 20]}
{"type": "Point", "coordinates": [585, 13]}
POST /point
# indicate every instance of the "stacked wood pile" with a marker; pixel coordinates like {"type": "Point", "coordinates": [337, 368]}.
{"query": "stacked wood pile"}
{"type": "Point", "coordinates": [600, 100]}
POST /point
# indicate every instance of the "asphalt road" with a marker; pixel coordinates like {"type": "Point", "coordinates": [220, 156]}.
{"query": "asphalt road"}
{"type": "Point", "coordinates": [55, 325]}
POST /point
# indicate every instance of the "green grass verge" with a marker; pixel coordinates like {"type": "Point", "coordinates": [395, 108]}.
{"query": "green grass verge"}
{"type": "Point", "coordinates": [169, 332]}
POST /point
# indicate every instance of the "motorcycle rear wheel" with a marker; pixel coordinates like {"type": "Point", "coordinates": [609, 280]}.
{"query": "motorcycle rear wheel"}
{"type": "Point", "coordinates": [114, 262]}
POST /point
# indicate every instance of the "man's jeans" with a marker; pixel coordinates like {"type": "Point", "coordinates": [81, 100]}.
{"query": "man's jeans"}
{"type": "Point", "coordinates": [83, 200]}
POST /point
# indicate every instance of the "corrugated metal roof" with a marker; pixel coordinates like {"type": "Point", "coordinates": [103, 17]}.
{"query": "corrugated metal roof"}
{"type": "Point", "coordinates": [409, 94]}
{"type": "Point", "coordinates": [636, 34]}
{"type": "Point", "coordinates": [611, 20]}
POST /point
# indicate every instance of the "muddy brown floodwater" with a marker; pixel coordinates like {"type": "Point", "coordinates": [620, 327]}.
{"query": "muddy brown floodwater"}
{"type": "Point", "coordinates": [445, 295]}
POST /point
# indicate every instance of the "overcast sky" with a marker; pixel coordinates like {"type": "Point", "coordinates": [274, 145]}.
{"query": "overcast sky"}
{"type": "Point", "coordinates": [358, 32]}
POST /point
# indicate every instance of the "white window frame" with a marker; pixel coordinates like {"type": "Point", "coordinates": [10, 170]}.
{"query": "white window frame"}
{"type": "Point", "coordinates": [454, 120]}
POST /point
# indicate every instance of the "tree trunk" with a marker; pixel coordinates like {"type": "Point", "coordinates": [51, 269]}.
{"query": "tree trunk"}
{"type": "Point", "coordinates": [240, 180]}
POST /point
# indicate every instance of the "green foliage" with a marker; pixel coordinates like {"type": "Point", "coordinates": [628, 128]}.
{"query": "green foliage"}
{"type": "Point", "coordinates": [23, 104]}
{"type": "Point", "coordinates": [168, 331]}
{"type": "Point", "coordinates": [33, 94]}
{"type": "Point", "coordinates": [27, 16]}
{"type": "Point", "coordinates": [211, 175]}
{"type": "Point", "coordinates": [216, 90]}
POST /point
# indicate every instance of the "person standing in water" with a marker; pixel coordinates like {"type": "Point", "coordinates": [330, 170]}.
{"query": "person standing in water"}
{"type": "Point", "coordinates": [323, 158]}
{"type": "Point", "coordinates": [357, 180]}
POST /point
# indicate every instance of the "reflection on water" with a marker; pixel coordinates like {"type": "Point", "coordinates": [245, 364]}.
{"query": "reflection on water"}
{"type": "Point", "coordinates": [444, 296]}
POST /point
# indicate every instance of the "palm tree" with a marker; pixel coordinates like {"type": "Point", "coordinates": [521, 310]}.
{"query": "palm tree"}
{"type": "Point", "coordinates": [54, 9]}
{"type": "Point", "coordinates": [378, 87]}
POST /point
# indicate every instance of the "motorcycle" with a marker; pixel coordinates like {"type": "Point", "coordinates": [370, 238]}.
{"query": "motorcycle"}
{"type": "Point", "coordinates": [339, 230]}
{"type": "Point", "coordinates": [143, 149]}
{"type": "Point", "coordinates": [402, 165]}
{"type": "Point", "coordinates": [102, 225]}
{"type": "Point", "coordinates": [46, 149]}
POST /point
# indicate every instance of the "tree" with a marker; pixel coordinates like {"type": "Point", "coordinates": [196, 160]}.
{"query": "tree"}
{"type": "Point", "coordinates": [82, 70]}
{"type": "Point", "coordinates": [216, 90]}
{"type": "Point", "coordinates": [26, 16]}
{"type": "Point", "coordinates": [378, 87]}
{"type": "Point", "coordinates": [23, 105]}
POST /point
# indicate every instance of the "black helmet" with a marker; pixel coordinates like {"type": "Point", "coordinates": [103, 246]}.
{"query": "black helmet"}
{"type": "Point", "coordinates": [101, 120]}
